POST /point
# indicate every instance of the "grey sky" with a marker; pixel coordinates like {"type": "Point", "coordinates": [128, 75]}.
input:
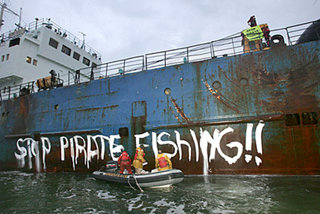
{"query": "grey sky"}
{"type": "Point", "coordinates": [119, 29]}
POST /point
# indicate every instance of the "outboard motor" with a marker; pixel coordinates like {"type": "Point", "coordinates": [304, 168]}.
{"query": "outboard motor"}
{"type": "Point", "coordinates": [312, 33]}
{"type": "Point", "coordinates": [111, 166]}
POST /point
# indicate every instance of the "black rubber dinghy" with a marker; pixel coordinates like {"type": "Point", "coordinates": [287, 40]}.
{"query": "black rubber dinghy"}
{"type": "Point", "coordinates": [154, 179]}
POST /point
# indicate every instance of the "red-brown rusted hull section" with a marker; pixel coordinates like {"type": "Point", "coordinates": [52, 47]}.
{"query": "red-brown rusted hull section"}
{"type": "Point", "coordinates": [254, 113]}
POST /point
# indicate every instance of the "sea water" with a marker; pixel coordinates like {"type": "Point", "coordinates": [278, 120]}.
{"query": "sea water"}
{"type": "Point", "coordinates": [22, 192]}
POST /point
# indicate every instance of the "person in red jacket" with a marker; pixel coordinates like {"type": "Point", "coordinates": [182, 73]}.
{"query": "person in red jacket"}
{"type": "Point", "coordinates": [125, 162]}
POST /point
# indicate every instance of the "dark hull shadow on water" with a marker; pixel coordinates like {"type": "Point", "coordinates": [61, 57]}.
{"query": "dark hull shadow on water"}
{"type": "Point", "coordinates": [80, 193]}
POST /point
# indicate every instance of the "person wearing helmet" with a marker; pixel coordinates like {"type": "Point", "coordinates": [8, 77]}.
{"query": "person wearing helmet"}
{"type": "Point", "coordinates": [163, 162]}
{"type": "Point", "coordinates": [125, 162]}
{"type": "Point", "coordinates": [139, 160]}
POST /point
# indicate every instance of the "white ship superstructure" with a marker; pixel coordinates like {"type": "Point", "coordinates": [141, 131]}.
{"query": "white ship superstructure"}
{"type": "Point", "coordinates": [31, 52]}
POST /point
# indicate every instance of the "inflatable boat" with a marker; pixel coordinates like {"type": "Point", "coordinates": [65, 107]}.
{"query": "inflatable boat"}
{"type": "Point", "coordinates": [154, 179]}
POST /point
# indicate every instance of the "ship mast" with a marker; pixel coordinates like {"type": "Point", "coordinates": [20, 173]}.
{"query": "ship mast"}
{"type": "Point", "coordinates": [3, 8]}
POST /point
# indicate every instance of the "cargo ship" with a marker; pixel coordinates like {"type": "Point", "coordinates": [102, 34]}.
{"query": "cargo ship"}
{"type": "Point", "coordinates": [236, 105]}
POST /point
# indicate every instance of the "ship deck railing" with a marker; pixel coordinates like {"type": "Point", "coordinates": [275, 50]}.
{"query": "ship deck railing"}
{"type": "Point", "coordinates": [229, 46]}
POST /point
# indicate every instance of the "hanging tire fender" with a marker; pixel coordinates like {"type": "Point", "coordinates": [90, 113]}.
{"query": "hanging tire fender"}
{"type": "Point", "coordinates": [277, 40]}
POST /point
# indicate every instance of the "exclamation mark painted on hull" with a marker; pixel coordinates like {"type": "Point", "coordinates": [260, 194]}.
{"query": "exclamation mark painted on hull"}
{"type": "Point", "coordinates": [248, 146]}
{"type": "Point", "coordinates": [259, 141]}
{"type": "Point", "coordinates": [258, 137]}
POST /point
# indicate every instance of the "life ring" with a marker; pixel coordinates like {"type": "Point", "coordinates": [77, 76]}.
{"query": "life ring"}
{"type": "Point", "coordinates": [277, 40]}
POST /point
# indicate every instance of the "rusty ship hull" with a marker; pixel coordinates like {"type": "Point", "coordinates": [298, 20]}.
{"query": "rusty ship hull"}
{"type": "Point", "coordinates": [251, 113]}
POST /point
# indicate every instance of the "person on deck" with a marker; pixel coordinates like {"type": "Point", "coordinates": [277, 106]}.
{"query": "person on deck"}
{"type": "Point", "coordinates": [53, 79]}
{"type": "Point", "coordinates": [252, 21]}
{"type": "Point", "coordinates": [125, 162]}
{"type": "Point", "coordinates": [163, 162]}
{"type": "Point", "coordinates": [139, 160]}
{"type": "Point", "coordinates": [266, 34]}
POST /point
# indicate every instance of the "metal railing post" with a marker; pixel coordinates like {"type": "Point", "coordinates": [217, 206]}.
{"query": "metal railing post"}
{"type": "Point", "coordinates": [124, 66]}
{"type": "Point", "coordinates": [146, 62]}
{"type": "Point", "coordinates": [165, 59]}
{"type": "Point", "coordinates": [107, 70]}
{"type": "Point", "coordinates": [212, 49]}
{"type": "Point", "coordinates": [289, 40]}
{"type": "Point", "coordinates": [142, 63]}
{"type": "Point", "coordinates": [187, 54]}
{"type": "Point", "coordinates": [234, 51]}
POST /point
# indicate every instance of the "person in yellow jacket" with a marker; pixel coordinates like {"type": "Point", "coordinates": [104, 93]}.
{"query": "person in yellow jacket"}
{"type": "Point", "coordinates": [139, 160]}
{"type": "Point", "coordinates": [163, 162]}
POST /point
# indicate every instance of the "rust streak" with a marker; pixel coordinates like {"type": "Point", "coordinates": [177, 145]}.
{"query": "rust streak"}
{"type": "Point", "coordinates": [180, 111]}
{"type": "Point", "coordinates": [98, 108]}
{"type": "Point", "coordinates": [219, 97]}
{"type": "Point", "coordinates": [175, 115]}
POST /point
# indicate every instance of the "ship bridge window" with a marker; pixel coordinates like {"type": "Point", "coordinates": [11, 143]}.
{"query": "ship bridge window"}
{"type": "Point", "coordinates": [86, 61]}
{"type": "Point", "coordinates": [5, 57]}
{"type": "Point", "coordinates": [76, 55]}
{"type": "Point", "coordinates": [292, 119]}
{"type": "Point", "coordinates": [66, 50]}
{"type": "Point", "coordinates": [14, 42]}
{"type": "Point", "coordinates": [309, 118]}
{"type": "Point", "coordinates": [35, 62]}
{"type": "Point", "coordinates": [28, 59]}
{"type": "Point", "coordinates": [53, 43]}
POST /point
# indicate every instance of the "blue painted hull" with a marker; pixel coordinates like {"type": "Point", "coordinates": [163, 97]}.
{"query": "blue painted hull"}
{"type": "Point", "coordinates": [254, 113]}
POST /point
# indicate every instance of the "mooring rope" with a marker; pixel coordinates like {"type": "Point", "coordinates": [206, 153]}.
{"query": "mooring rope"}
{"type": "Point", "coordinates": [141, 190]}
{"type": "Point", "coordinates": [129, 183]}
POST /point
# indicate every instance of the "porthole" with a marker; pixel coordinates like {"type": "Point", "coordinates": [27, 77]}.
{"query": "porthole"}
{"type": "Point", "coordinates": [216, 85]}
{"type": "Point", "coordinates": [28, 59]}
{"type": "Point", "coordinates": [167, 91]}
{"type": "Point", "coordinates": [244, 81]}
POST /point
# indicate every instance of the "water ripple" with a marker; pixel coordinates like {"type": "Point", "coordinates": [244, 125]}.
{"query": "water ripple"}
{"type": "Point", "coordinates": [79, 193]}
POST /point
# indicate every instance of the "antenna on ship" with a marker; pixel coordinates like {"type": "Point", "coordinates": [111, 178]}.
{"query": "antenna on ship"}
{"type": "Point", "coordinates": [3, 8]}
{"type": "Point", "coordinates": [83, 40]}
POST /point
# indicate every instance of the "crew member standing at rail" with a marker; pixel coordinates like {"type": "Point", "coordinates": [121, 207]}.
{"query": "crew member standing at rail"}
{"type": "Point", "coordinates": [252, 21]}
{"type": "Point", "coordinates": [139, 160]}
{"type": "Point", "coordinates": [266, 34]}
{"type": "Point", "coordinates": [125, 162]}
{"type": "Point", "coordinates": [53, 79]}
{"type": "Point", "coordinates": [163, 162]}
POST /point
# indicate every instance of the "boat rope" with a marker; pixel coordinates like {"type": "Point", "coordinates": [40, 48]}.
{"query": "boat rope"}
{"type": "Point", "coordinates": [129, 183]}
{"type": "Point", "coordinates": [141, 190]}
